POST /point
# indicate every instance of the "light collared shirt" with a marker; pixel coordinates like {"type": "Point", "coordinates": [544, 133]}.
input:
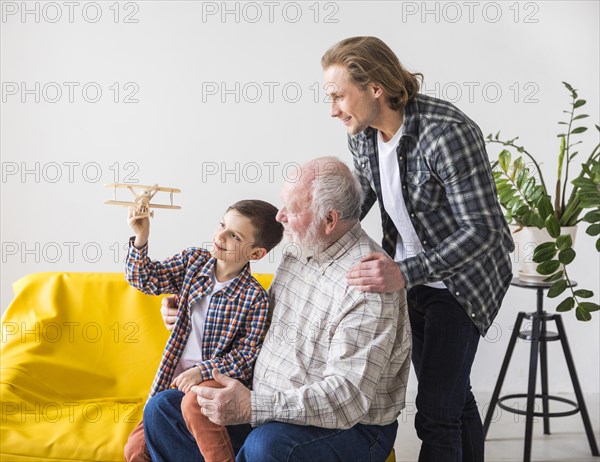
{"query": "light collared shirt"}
{"type": "Point", "coordinates": [333, 356]}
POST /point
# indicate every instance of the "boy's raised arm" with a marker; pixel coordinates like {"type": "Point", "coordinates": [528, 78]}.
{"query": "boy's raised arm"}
{"type": "Point", "coordinates": [152, 277]}
{"type": "Point", "coordinates": [140, 227]}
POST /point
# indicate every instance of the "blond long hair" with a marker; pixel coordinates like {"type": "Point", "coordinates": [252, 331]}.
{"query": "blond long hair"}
{"type": "Point", "coordinates": [370, 60]}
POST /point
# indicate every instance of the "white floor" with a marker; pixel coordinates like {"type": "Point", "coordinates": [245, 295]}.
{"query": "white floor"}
{"type": "Point", "coordinates": [566, 443]}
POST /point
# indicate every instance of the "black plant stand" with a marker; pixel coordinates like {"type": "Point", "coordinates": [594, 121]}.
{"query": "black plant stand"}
{"type": "Point", "coordinates": [539, 336]}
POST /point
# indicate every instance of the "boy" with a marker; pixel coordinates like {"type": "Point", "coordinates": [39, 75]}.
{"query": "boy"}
{"type": "Point", "coordinates": [221, 319]}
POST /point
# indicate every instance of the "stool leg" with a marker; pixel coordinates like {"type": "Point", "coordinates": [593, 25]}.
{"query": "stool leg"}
{"type": "Point", "coordinates": [581, 403]}
{"type": "Point", "coordinates": [544, 376]}
{"type": "Point", "coordinates": [503, 369]}
{"type": "Point", "coordinates": [533, 359]}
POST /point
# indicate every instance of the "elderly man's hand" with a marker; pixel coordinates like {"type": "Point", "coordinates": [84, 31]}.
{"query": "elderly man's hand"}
{"type": "Point", "coordinates": [231, 405]}
{"type": "Point", "coordinates": [168, 311]}
{"type": "Point", "coordinates": [376, 273]}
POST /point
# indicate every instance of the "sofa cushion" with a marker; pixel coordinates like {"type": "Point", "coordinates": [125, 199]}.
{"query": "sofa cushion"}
{"type": "Point", "coordinates": [79, 351]}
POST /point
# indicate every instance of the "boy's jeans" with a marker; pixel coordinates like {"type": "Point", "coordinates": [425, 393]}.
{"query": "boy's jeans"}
{"type": "Point", "coordinates": [212, 439]}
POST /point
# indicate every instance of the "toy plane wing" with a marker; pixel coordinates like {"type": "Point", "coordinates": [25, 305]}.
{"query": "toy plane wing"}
{"type": "Point", "coordinates": [142, 186]}
{"type": "Point", "coordinates": [151, 205]}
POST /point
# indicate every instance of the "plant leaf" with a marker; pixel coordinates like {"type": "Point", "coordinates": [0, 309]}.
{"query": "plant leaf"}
{"type": "Point", "coordinates": [555, 277]}
{"type": "Point", "coordinates": [582, 182]}
{"type": "Point", "coordinates": [512, 202]}
{"type": "Point", "coordinates": [583, 293]}
{"type": "Point", "coordinates": [548, 267]}
{"type": "Point", "coordinates": [566, 305]}
{"type": "Point", "coordinates": [564, 241]}
{"type": "Point", "coordinates": [589, 306]}
{"type": "Point", "coordinates": [557, 288]}
{"type": "Point", "coordinates": [580, 116]}
{"type": "Point", "coordinates": [521, 177]}
{"type": "Point", "coordinates": [551, 224]}
{"type": "Point", "coordinates": [544, 246]}
{"type": "Point", "coordinates": [506, 195]}
{"type": "Point", "coordinates": [545, 207]}
{"type": "Point", "coordinates": [544, 255]}
{"type": "Point", "coordinates": [579, 103]}
{"type": "Point", "coordinates": [566, 256]}
{"type": "Point", "coordinates": [582, 315]}
{"type": "Point", "coordinates": [537, 193]}
{"type": "Point", "coordinates": [590, 203]}
{"type": "Point", "coordinates": [504, 160]}
{"type": "Point", "coordinates": [528, 185]}
{"type": "Point", "coordinates": [592, 217]}
{"type": "Point", "coordinates": [537, 221]}
{"type": "Point", "coordinates": [593, 230]}
{"type": "Point", "coordinates": [578, 130]}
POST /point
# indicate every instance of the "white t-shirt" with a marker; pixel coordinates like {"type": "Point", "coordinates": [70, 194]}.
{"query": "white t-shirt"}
{"type": "Point", "coordinates": [192, 353]}
{"type": "Point", "coordinates": [408, 243]}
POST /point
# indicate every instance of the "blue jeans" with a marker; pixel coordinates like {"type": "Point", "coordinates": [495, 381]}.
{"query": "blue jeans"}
{"type": "Point", "coordinates": [167, 435]}
{"type": "Point", "coordinates": [444, 345]}
{"type": "Point", "coordinates": [168, 438]}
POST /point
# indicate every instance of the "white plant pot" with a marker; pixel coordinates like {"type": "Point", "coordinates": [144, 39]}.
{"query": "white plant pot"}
{"type": "Point", "coordinates": [526, 240]}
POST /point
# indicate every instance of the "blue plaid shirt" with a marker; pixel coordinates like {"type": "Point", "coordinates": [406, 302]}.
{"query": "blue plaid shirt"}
{"type": "Point", "coordinates": [236, 321]}
{"type": "Point", "coordinates": [450, 196]}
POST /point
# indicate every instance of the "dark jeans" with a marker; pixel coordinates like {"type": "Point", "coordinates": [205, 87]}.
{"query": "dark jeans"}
{"type": "Point", "coordinates": [444, 345]}
{"type": "Point", "coordinates": [168, 438]}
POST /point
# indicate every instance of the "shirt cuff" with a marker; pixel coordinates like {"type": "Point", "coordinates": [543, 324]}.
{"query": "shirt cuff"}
{"type": "Point", "coordinates": [136, 254]}
{"type": "Point", "coordinates": [206, 368]}
{"type": "Point", "coordinates": [412, 272]}
{"type": "Point", "coordinates": [263, 408]}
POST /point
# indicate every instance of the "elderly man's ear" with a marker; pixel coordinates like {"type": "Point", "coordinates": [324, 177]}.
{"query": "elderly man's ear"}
{"type": "Point", "coordinates": [331, 221]}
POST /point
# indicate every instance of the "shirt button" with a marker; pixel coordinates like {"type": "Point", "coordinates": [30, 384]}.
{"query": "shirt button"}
{"type": "Point", "coordinates": [412, 214]}
{"type": "Point", "coordinates": [424, 242]}
{"type": "Point", "coordinates": [457, 293]}
{"type": "Point", "coordinates": [400, 157]}
{"type": "Point", "coordinates": [404, 187]}
{"type": "Point", "coordinates": [472, 315]}
{"type": "Point", "coordinates": [266, 374]}
{"type": "Point", "coordinates": [364, 164]}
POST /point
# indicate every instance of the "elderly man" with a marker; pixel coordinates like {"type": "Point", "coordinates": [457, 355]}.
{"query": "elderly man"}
{"type": "Point", "coordinates": [331, 377]}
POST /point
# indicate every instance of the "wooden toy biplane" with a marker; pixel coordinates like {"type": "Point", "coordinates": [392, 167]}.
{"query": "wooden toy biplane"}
{"type": "Point", "coordinates": [142, 194]}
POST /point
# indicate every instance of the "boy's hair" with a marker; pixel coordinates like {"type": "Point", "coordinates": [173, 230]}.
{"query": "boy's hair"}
{"type": "Point", "coordinates": [267, 231]}
{"type": "Point", "coordinates": [370, 60]}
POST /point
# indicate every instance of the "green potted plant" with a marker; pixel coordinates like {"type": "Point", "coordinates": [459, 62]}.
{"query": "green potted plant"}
{"type": "Point", "coordinates": [529, 207]}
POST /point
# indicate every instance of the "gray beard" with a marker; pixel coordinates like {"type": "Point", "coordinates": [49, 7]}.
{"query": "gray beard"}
{"type": "Point", "coordinates": [310, 245]}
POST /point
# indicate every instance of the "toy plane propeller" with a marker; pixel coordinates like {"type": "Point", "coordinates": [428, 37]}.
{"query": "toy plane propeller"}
{"type": "Point", "coordinates": [142, 194]}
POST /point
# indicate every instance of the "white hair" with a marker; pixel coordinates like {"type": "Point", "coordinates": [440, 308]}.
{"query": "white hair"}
{"type": "Point", "coordinates": [334, 187]}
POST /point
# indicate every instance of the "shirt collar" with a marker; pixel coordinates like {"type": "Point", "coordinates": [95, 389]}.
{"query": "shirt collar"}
{"type": "Point", "coordinates": [339, 247]}
{"type": "Point", "coordinates": [411, 118]}
{"type": "Point", "coordinates": [233, 289]}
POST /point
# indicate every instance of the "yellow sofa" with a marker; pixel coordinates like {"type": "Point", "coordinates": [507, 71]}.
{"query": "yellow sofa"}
{"type": "Point", "coordinates": [78, 354]}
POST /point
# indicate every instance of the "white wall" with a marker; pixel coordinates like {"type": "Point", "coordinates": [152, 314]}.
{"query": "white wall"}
{"type": "Point", "coordinates": [500, 62]}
